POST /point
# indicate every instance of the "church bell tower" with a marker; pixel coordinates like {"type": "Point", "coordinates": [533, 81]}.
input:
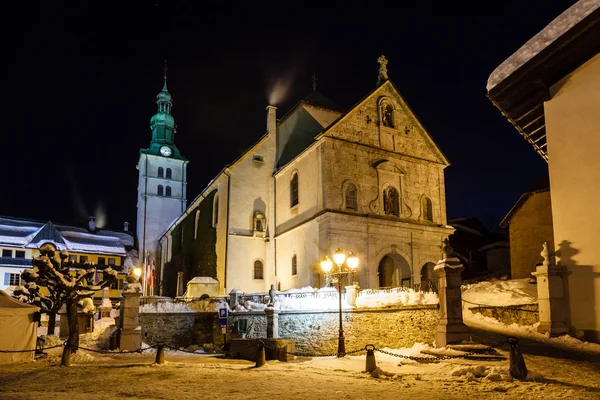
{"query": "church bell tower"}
{"type": "Point", "coordinates": [161, 187]}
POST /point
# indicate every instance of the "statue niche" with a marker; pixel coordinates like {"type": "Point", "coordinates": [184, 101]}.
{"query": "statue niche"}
{"type": "Point", "coordinates": [387, 115]}
{"type": "Point", "coordinates": [259, 224]}
{"type": "Point", "coordinates": [391, 201]}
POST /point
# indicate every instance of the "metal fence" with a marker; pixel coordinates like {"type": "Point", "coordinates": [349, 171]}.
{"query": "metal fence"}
{"type": "Point", "coordinates": [430, 287]}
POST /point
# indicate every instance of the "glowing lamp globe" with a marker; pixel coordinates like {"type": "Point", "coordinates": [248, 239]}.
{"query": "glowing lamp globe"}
{"type": "Point", "coordinates": [339, 257]}
{"type": "Point", "coordinates": [326, 264]}
{"type": "Point", "coordinates": [137, 271]}
{"type": "Point", "coordinates": [352, 261]}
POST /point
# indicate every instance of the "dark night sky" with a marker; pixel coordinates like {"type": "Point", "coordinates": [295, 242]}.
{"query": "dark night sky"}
{"type": "Point", "coordinates": [80, 84]}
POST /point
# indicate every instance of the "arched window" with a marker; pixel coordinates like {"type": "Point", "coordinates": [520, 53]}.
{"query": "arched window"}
{"type": "Point", "coordinates": [387, 114]}
{"type": "Point", "coordinates": [216, 211]}
{"type": "Point", "coordinates": [160, 190]}
{"type": "Point", "coordinates": [168, 191]}
{"type": "Point", "coordinates": [169, 173]}
{"type": "Point", "coordinates": [258, 269]}
{"type": "Point", "coordinates": [161, 172]}
{"type": "Point", "coordinates": [391, 201]}
{"type": "Point", "coordinates": [294, 265]}
{"type": "Point", "coordinates": [196, 219]}
{"type": "Point", "coordinates": [351, 197]}
{"type": "Point", "coordinates": [294, 190]}
{"type": "Point", "coordinates": [427, 209]}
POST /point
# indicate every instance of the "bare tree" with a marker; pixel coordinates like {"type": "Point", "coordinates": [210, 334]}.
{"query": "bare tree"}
{"type": "Point", "coordinates": [53, 270]}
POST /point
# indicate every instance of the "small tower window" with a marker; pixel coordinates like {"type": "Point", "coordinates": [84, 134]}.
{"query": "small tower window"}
{"type": "Point", "coordinates": [259, 224]}
{"type": "Point", "coordinates": [351, 197]}
{"type": "Point", "coordinates": [160, 190]}
{"type": "Point", "coordinates": [294, 190]}
{"type": "Point", "coordinates": [168, 191]}
{"type": "Point", "coordinates": [161, 172]}
{"type": "Point", "coordinates": [169, 173]}
{"type": "Point", "coordinates": [427, 209]}
{"type": "Point", "coordinates": [294, 265]}
{"type": "Point", "coordinates": [258, 269]}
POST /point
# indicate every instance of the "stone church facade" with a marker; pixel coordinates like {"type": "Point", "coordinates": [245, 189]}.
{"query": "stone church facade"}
{"type": "Point", "coordinates": [369, 180]}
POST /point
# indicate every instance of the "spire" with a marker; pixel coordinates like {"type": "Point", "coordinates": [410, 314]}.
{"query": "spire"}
{"type": "Point", "coordinates": [315, 79]}
{"type": "Point", "coordinates": [165, 85]}
{"type": "Point", "coordinates": [383, 75]}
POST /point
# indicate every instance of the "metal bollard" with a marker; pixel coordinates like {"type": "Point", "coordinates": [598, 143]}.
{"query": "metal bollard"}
{"type": "Point", "coordinates": [160, 354]}
{"type": "Point", "coordinates": [260, 355]}
{"type": "Point", "coordinates": [518, 369]}
{"type": "Point", "coordinates": [371, 363]}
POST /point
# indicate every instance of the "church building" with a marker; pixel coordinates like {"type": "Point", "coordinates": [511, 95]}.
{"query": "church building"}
{"type": "Point", "coordinates": [368, 180]}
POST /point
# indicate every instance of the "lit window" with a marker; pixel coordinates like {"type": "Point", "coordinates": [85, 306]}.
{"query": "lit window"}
{"type": "Point", "coordinates": [6, 253]}
{"type": "Point", "coordinates": [19, 254]}
{"type": "Point", "coordinates": [294, 265]}
{"type": "Point", "coordinates": [168, 191]}
{"type": "Point", "coordinates": [161, 172]}
{"type": "Point", "coordinates": [160, 190]}
{"type": "Point", "coordinates": [169, 173]}
{"type": "Point", "coordinates": [351, 197]}
{"type": "Point", "coordinates": [294, 190]}
{"type": "Point", "coordinates": [11, 279]}
{"type": "Point", "coordinates": [258, 269]}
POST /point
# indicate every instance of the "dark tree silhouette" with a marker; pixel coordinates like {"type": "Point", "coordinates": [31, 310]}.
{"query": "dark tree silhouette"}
{"type": "Point", "coordinates": [53, 270]}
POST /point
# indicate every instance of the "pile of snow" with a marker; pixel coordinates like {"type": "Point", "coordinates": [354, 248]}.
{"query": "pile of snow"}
{"type": "Point", "coordinates": [401, 298]}
{"type": "Point", "coordinates": [166, 307]}
{"type": "Point", "coordinates": [500, 293]}
{"type": "Point", "coordinates": [99, 338]}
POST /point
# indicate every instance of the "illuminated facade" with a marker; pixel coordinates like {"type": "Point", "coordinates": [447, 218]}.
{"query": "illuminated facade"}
{"type": "Point", "coordinates": [369, 179]}
{"type": "Point", "coordinates": [21, 239]}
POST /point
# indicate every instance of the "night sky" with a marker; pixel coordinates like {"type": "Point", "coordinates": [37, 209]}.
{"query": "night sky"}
{"type": "Point", "coordinates": [80, 82]}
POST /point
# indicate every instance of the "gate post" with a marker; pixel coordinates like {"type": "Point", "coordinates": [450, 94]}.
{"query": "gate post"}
{"type": "Point", "coordinates": [451, 328]}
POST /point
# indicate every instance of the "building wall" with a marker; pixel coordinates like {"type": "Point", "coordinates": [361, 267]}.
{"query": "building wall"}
{"type": "Point", "coordinates": [303, 242]}
{"type": "Point", "coordinates": [529, 228]}
{"type": "Point", "coordinates": [572, 121]}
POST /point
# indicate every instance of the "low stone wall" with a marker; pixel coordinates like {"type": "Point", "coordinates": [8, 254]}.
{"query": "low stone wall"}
{"type": "Point", "coordinates": [526, 314]}
{"type": "Point", "coordinates": [316, 332]}
{"type": "Point", "coordinates": [181, 329]}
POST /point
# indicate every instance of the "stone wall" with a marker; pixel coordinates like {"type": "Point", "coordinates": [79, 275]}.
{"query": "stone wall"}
{"type": "Point", "coordinates": [181, 329]}
{"type": "Point", "coordinates": [317, 331]}
{"type": "Point", "coordinates": [314, 332]}
{"type": "Point", "coordinates": [523, 314]}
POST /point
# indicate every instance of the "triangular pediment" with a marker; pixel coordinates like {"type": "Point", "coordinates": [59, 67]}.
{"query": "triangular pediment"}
{"type": "Point", "coordinates": [384, 120]}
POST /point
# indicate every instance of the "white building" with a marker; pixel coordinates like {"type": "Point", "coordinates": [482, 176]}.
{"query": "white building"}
{"type": "Point", "coordinates": [368, 180]}
{"type": "Point", "coordinates": [549, 90]}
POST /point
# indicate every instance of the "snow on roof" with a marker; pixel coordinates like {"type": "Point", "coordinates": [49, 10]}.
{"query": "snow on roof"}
{"type": "Point", "coordinates": [543, 39]}
{"type": "Point", "coordinates": [204, 280]}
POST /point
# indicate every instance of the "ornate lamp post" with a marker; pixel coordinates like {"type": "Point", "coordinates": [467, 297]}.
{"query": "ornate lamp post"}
{"type": "Point", "coordinates": [341, 273]}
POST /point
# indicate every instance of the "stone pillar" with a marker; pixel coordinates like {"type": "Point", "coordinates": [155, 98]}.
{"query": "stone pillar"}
{"type": "Point", "coordinates": [106, 306]}
{"type": "Point", "coordinates": [553, 301]}
{"type": "Point", "coordinates": [451, 328]}
{"type": "Point", "coordinates": [234, 298]}
{"type": "Point", "coordinates": [180, 285]}
{"type": "Point", "coordinates": [131, 330]}
{"type": "Point", "coordinates": [272, 322]}
{"type": "Point", "coordinates": [351, 293]}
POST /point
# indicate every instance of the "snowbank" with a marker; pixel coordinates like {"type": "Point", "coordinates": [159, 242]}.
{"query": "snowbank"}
{"type": "Point", "coordinates": [409, 297]}
{"type": "Point", "coordinates": [500, 293]}
{"type": "Point", "coordinates": [166, 307]}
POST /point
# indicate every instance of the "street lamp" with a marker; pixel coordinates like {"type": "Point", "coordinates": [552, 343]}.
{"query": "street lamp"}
{"type": "Point", "coordinates": [341, 273]}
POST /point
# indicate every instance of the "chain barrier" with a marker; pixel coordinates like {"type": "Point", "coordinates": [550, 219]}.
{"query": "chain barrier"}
{"type": "Point", "coordinates": [366, 348]}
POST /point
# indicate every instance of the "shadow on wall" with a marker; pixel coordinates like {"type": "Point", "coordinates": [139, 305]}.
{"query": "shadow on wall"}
{"type": "Point", "coordinates": [580, 281]}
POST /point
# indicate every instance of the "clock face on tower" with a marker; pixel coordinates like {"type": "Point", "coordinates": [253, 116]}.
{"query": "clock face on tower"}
{"type": "Point", "coordinates": [166, 151]}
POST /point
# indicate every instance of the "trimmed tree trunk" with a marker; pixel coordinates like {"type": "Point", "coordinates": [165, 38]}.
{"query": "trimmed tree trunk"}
{"type": "Point", "coordinates": [73, 321]}
{"type": "Point", "coordinates": [51, 323]}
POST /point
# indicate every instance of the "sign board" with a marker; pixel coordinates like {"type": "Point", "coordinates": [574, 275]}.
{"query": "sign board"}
{"type": "Point", "coordinates": [223, 317]}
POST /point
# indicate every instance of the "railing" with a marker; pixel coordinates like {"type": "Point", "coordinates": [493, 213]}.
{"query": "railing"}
{"type": "Point", "coordinates": [417, 287]}
{"type": "Point", "coordinates": [324, 295]}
